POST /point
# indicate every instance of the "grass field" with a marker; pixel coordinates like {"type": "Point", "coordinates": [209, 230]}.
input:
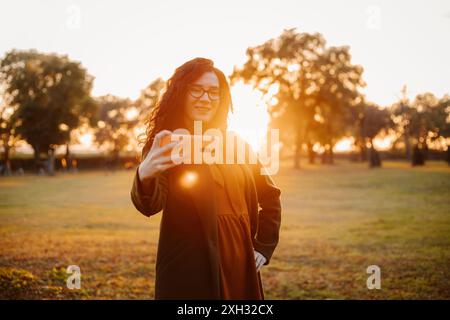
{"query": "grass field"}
{"type": "Point", "coordinates": [336, 221]}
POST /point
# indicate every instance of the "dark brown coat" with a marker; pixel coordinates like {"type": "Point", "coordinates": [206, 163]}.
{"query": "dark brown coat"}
{"type": "Point", "coordinates": [187, 265]}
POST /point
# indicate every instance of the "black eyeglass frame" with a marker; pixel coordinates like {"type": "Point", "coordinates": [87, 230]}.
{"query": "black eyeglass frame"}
{"type": "Point", "coordinates": [203, 92]}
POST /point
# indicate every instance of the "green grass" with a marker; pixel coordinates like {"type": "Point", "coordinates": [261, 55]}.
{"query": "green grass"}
{"type": "Point", "coordinates": [336, 221]}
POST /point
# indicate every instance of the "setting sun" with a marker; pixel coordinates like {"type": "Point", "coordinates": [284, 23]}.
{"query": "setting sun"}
{"type": "Point", "coordinates": [132, 113]}
{"type": "Point", "coordinates": [86, 139]}
{"type": "Point", "coordinates": [250, 118]}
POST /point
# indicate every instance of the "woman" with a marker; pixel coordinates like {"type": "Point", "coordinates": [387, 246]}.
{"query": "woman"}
{"type": "Point", "coordinates": [214, 238]}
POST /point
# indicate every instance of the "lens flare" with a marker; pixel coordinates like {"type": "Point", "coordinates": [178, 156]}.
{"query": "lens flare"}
{"type": "Point", "coordinates": [188, 179]}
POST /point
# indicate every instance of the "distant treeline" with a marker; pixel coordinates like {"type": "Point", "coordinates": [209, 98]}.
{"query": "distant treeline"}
{"type": "Point", "coordinates": [312, 91]}
{"type": "Point", "coordinates": [27, 165]}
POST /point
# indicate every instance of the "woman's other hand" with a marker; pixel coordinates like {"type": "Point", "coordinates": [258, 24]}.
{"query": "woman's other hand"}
{"type": "Point", "coordinates": [259, 260]}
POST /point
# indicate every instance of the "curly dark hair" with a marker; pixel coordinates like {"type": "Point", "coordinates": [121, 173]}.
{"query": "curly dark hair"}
{"type": "Point", "coordinates": [169, 111]}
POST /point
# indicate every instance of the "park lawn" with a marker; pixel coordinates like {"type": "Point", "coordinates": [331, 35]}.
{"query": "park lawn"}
{"type": "Point", "coordinates": [336, 221]}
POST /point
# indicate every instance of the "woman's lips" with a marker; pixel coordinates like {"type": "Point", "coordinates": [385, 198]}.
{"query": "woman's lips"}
{"type": "Point", "coordinates": [203, 109]}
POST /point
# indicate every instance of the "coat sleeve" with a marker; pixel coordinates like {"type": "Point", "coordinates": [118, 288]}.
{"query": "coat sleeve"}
{"type": "Point", "coordinates": [149, 198]}
{"type": "Point", "coordinates": [269, 213]}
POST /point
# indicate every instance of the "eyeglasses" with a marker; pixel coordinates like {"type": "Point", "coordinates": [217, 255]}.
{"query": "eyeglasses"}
{"type": "Point", "coordinates": [198, 92]}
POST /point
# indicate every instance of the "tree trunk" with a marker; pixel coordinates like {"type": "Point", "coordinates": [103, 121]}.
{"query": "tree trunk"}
{"type": "Point", "coordinates": [362, 151]}
{"type": "Point", "coordinates": [407, 145]}
{"type": "Point", "coordinates": [298, 148]}
{"type": "Point", "coordinates": [7, 171]}
{"type": "Point", "coordinates": [311, 153]}
{"type": "Point", "coordinates": [327, 155]}
{"type": "Point", "coordinates": [115, 158]}
{"type": "Point", "coordinates": [37, 160]}
{"type": "Point", "coordinates": [418, 157]}
{"type": "Point", "coordinates": [68, 157]}
{"type": "Point", "coordinates": [51, 162]}
{"type": "Point", "coordinates": [331, 155]}
{"type": "Point", "coordinates": [447, 153]}
{"type": "Point", "coordinates": [375, 160]}
{"type": "Point", "coordinates": [362, 142]}
{"type": "Point", "coordinates": [425, 151]}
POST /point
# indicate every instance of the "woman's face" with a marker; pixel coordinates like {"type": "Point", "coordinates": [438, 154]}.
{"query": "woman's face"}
{"type": "Point", "coordinates": [202, 98]}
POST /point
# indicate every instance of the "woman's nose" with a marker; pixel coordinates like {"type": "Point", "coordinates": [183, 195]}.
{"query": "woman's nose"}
{"type": "Point", "coordinates": [204, 97]}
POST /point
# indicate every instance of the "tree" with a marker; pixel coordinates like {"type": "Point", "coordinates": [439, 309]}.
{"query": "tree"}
{"type": "Point", "coordinates": [147, 100]}
{"type": "Point", "coordinates": [429, 122]}
{"type": "Point", "coordinates": [9, 136]}
{"type": "Point", "coordinates": [441, 123]}
{"type": "Point", "coordinates": [354, 124]}
{"type": "Point", "coordinates": [149, 97]}
{"type": "Point", "coordinates": [337, 83]}
{"type": "Point", "coordinates": [375, 120]}
{"type": "Point", "coordinates": [52, 95]}
{"type": "Point", "coordinates": [421, 122]}
{"type": "Point", "coordinates": [312, 84]}
{"type": "Point", "coordinates": [401, 113]}
{"type": "Point", "coordinates": [114, 125]}
{"type": "Point", "coordinates": [285, 63]}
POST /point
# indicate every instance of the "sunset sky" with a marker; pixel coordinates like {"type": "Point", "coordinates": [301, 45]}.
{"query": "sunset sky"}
{"type": "Point", "coordinates": [127, 44]}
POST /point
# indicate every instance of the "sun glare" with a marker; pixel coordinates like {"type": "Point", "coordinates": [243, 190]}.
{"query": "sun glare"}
{"type": "Point", "coordinates": [343, 145]}
{"type": "Point", "coordinates": [189, 179]}
{"type": "Point", "coordinates": [250, 118]}
{"type": "Point", "coordinates": [383, 143]}
{"type": "Point", "coordinates": [131, 114]}
{"type": "Point", "coordinates": [86, 139]}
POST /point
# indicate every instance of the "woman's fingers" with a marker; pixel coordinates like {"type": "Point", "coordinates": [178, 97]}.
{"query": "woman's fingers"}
{"type": "Point", "coordinates": [165, 159]}
{"type": "Point", "coordinates": [164, 167]}
{"type": "Point", "coordinates": [158, 137]}
{"type": "Point", "coordinates": [259, 265]}
{"type": "Point", "coordinates": [165, 162]}
{"type": "Point", "coordinates": [163, 149]}
{"type": "Point", "coordinates": [259, 260]}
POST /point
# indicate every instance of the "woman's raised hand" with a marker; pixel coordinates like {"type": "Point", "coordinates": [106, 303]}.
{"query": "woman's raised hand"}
{"type": "Point", "coordinates": [157, 160]}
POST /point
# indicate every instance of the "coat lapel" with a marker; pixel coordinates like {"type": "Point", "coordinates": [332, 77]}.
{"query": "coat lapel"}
{"type": "Point", "coordinates": [251, 198]}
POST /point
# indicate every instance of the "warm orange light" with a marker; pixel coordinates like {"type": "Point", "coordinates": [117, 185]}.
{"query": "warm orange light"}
{"type": "Point", "coordinates": [384, 143]}
{"type": "Point", "coordinates": [250, 118]}
{"type": "Point", "coordinates": [132, 114]}
{"type": "Point", "coordinates": [344, 145]}
{"type": "Point", "coordinates": [189, 179]}
{"type": "Point", "coordinates": [86, 139]}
